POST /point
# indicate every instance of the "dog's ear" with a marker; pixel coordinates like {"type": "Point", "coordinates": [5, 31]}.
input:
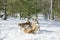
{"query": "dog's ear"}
{"type": "Point", "coordinates": [19, 24]}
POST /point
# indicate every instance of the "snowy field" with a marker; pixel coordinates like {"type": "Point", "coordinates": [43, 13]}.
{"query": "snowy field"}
{"type": "Point", "coordinates": [49, 30]}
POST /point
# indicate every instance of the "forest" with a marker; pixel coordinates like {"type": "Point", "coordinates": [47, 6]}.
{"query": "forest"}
{"type": "Point", "coordinates": [29, 8]}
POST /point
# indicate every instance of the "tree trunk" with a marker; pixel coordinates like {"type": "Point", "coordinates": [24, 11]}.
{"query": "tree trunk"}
{"type": "Point", "coordinates": [46, 17]}
{"type": "Point", "coordinates": [52, 6]}
{"type": "Point", "coordinates": [5, 10]}
{"type": "Point", "coordinates": [51, 9]}
{"type": "Point", "coordinates": [20, 15]}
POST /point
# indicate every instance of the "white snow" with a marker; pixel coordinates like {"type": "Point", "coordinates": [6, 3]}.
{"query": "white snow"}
{"type": "Point", "coordinates": [49, 30]}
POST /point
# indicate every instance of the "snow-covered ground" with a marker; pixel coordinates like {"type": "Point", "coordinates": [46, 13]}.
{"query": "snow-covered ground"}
{"type": "Point", "coordinates": [49, 30]}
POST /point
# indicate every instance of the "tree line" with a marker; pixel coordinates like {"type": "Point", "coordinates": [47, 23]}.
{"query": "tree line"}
{"type": "Point", "coordinates": [28, 8]}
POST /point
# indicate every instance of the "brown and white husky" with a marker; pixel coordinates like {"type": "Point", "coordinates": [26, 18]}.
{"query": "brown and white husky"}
{"type": "Point", "coordinates": [32, 26]}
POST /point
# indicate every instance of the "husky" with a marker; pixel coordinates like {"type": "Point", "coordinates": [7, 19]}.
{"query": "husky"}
{"type": "Point", "coordinates": [30, 27]}
{"type": "Point", "coordinates": [25, 25]}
